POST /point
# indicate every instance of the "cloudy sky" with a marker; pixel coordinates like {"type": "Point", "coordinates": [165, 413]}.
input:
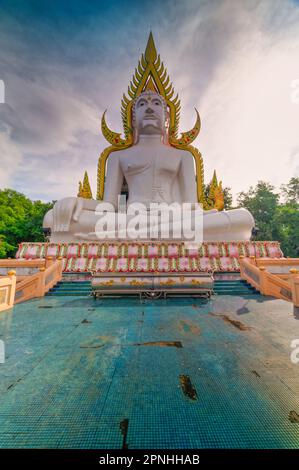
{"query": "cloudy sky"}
{"type": "Point", "coordinates": [64, 62]}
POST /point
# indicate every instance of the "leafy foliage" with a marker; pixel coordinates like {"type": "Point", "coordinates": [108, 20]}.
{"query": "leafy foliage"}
{"type": "Point", "coordinates": [275, 220]}
{"type": "Point", "coordinates": [290, 191]}
{"type": "Point", "coordinates": [20, 220]}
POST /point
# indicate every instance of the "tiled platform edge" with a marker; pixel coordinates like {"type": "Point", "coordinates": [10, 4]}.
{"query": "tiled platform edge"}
{"type": "Point", "coordinates": [149, 256]}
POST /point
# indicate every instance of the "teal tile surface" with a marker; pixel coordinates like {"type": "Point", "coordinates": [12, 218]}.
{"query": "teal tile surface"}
{"type": "Point", "coordinates": [77, 367]}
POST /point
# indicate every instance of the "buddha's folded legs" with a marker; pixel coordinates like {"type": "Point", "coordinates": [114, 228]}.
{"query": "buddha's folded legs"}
{"type": "Point", "coordinates": [233, 225]}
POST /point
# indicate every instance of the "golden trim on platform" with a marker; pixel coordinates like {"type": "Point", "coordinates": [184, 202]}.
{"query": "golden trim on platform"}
{"type": "Point", "coordinates": [157, 256]}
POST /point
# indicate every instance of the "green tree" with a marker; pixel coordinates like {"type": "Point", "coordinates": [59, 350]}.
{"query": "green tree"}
{"type": "Point", "coordinates": [228, 198]}
{"type": "Point", "coordinates": [287, 223]}
{"type": "Point", "coordinates": [262, 202]}
{"type": "Point", "coordinates": [290, 191]}
{"type": "Point", "coordinates": [20, 220]}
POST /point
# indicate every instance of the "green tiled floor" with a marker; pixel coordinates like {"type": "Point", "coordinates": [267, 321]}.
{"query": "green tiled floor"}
{"type": "Point", "coordinates": [76, 368]}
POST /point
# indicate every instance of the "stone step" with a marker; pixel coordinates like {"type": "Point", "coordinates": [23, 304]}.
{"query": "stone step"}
{"type": "Point", "coordinates": [229, 283]}
{"type": "Point", "coordinates": [237, 287]}
{"type": "Point", "coordinates": [73, 283]}
{"type": "Point", "coordinates": [234, 287]}
{"type": "Point", "coordinates": [71, 289]}
{"type": "Point", "coordinates": [237, 294]}
{"type": "Point", "coordinates": [73, 286]}
{"type": "Point", "coordinates": [67, 294]}
{"type": "Point", "coordinates": [66, 289]}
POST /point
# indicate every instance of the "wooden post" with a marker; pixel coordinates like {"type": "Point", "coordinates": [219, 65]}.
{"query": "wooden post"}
{"type": "Point", "coordinates": [49, 261]}
{"type": "Point", "coordinates": [60, 259]}
{"type": "Point", "coordinates": [41, 282]}
{"type": "Point", "coordinates": [241, 258]}
{"type": "Point", "coordinates": [294, 281]}
{"type": "Point", "coordinates": [11, 289]}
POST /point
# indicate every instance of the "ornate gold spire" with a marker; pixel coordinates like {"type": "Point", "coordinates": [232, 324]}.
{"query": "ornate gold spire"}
{"type": "Point", "coordinates": [80, 190]}
{"type": "Point", "coordinates": [150, 50]}
{"type": "Point", "coordinates": [219, 197]}
{"type": "Point", "coordinates": [84, 188]}
{"type": "Point", "coordinates": [215, 198]}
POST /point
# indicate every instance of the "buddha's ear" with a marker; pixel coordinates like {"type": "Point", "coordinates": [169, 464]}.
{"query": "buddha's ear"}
{"type": "Point", "coordinates": [167, 116]}
{"type": "Point", "coordinates": [166, 127]}
{"type": "Point", "coordinates": [135, 136]}
{"type": "Point", "coordinates": [133, 119]}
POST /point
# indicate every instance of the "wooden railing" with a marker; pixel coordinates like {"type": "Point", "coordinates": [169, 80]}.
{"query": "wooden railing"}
{"type": "Point", "coordinates": [7, 291]}
{"type": "Point", "coordinates": [282, 286]}
{"type": "Point", "coordinates": [46, 273]}
{"type": "Point", "coordinates": [21, 263]}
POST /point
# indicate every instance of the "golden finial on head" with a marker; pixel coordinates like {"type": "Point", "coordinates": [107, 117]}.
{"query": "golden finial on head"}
{"type": "Point", "coordinates": [150, 50]}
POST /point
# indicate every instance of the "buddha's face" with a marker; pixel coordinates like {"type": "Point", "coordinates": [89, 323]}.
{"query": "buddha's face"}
{"type": "Point", "coordinates": [150, 113]}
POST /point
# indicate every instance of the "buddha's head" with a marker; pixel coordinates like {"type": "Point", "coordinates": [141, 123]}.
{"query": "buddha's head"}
{"type": "Point", "coordinates": [149, 115]}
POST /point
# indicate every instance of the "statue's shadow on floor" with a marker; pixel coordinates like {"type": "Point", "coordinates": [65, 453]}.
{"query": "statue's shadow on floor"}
{"type": "Point", "coordinates": [260, 299]}
{"type": "Point", "coordinates": [296, 313]}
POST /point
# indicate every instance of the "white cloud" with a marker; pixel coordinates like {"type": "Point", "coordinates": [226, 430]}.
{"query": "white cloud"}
{"type": "Point", "coordinates": [235, 61]}
{"type": "Point", "coordinates": [249, 122]}
{"type": "Point", "coordinates": [10, 158]}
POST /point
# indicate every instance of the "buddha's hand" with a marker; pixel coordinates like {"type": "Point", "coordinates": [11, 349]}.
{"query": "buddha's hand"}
{"type": "Point", "coordinates": [91, 205]}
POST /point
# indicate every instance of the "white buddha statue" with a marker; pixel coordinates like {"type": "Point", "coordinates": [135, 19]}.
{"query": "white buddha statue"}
{"type": "Point", "coordinates": [155, 172]}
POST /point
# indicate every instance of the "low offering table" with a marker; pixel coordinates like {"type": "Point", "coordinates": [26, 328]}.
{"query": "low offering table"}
{"type": "Point", "coordinates": [153, 285]}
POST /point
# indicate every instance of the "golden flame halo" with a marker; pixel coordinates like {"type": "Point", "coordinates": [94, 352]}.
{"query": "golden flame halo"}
{"type": "Point", "coordinates": [151, 74]}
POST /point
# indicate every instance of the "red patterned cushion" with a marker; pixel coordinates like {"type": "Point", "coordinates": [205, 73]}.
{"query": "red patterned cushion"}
{"type": "Point", "coordinates": [205, 264]}
{"type": "Point", "coordinates": [173, 251]}
{"type": "Point", "coordinates": [142, 264]}
{"type": "Point", "coordinates": [163, 264]}
{"type": "Point", "coordinates": [52, 250]}
{"type": "Point", "coordinates": [213, 250]}
{"type": "Point", "coordinates": [101, 264]}
{"type": "Point", "coordinates": [232, 249]}
{"type": "Point", "coordinates": [133, 251]}
{"type": "Point", "coordinates": [122, 264]}
{"type": "Point", "coordinates": [184, 263]}
{"type": "Point", "coordinates": [152, 251]}
{"type": "Point", "coordinates": [92, 250]}
{"type": "Point", "coordinates": [80, 264]}
{"type": "Point", "coordinates": [112, 251]}
{"type": "Point", "coordinates": [273, 250]}
{"type": "Point", "coordinates": [225, 263]}
{"type": "Point", "coordinates": [72, 250]}
{"type": "Point", "coordinates": [32, 251]}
